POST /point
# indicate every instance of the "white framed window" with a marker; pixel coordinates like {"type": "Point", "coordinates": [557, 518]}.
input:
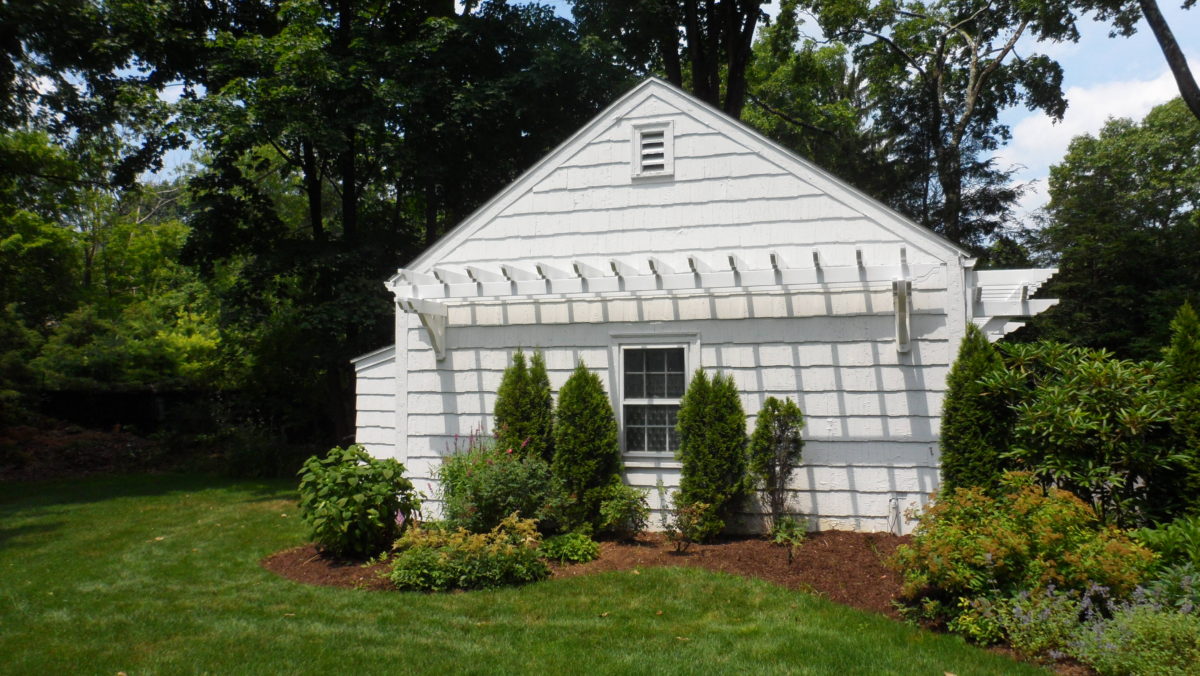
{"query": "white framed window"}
{"type": "Point", "coordinates": [653, 379]}
{"type": "Point", "coordinates": [653, 150]}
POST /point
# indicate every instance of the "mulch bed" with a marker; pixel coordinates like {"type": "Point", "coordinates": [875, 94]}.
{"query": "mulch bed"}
{"type": "Point", "coordinates": [844, 567]}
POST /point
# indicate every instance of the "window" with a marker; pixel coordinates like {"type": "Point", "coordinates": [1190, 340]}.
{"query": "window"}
{"type": "Point", "coordinates": [653, 150]}
{"type": "Point", "coordinates": [653, 384]}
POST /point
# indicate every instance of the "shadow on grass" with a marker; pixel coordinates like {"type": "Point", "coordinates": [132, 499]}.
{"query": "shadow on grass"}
{"type": "Point", "coordinates": [22, 495]}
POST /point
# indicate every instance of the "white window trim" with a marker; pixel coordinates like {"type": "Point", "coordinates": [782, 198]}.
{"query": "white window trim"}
{"type": "Point", "coordinates": [690, 342]}
{"type": "Point", "coordinates": [667, 127]}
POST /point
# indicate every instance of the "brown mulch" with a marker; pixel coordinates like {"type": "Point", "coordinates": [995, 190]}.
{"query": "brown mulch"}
{"type": "Point", "coordinates": [844, 567]}
{"type": "Point", "coordinates": [53, 450]}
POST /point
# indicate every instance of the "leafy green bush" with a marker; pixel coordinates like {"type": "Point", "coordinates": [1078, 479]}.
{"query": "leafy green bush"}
{"type": "Point", "coordinates": [587, 453]}
{"type": "Point", "coordinates": [1094, 425]}
{"type": "Point", "coordinates": [689, 522]}
{"type": "Point", "coordinates": [439, 560]}
{"type": "Point", "coordinates": [712, 450]}
{"type": "Point", "coordinates": [524, 411]}
{"type": "Point", "coordinates": [970, 545]}
{"type": "Point", "coordinates": [355, 505]}
{"type": "Point", "coordinates": [483, 483]}
{"type": "Point", "coordinates": [624, 511]}
{"type": "Point", "coordinates": [1182, 361]}
{"type": "Point", "coordinates": [1176, 542]}
{"type": "Point", "coordinates": [1141, 640]}
{"type": "Point", "coordinates": [570, 548]}
{"type": "Point", "coordinates": [1176, 587]}
{"type": "Point", "coordinates": [1041, 624]}
{"type": "Point", "coordinates": [974, 425]}
{"type": "Point", "coordinates": [774, 452]}
{"type": "Point", "coordinates": [788, 531]}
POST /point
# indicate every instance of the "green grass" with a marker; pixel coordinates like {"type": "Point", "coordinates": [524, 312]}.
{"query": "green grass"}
{"type": "Point", "coordinates": [160, 575]}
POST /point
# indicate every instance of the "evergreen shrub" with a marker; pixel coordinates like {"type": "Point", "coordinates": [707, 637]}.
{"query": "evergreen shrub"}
{"type": "Point", "coordinates": [1182, 361]}
{"type": "Point", "coordinates": [973, 423]}
{"type": "Point", "coordinates": [587, 455]}
{"type": "Point", "coordinates": [712, 450]}
{"type": "Point", "coordinates": [440, 560]}
{"type": "Point", "coordinates": [774, 452]}
{"type": "Point", "coordinates": [524, 410]}
{"type": "Point", "coordinates": [355, 505]}
{"type": "Point", "coordinates": [482, 484]}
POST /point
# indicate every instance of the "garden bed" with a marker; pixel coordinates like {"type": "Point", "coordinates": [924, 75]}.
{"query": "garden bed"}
{"type": "Point", "coordinates": [844, 567]}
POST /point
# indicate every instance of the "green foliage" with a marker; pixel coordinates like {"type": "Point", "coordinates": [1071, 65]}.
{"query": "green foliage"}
{"type": "Point", "coordinates": [690, 522]}
{"type": "Point", "coordinates": [971, 545]}
{"type": "Point", "coordinates": [790, 532]}
{"type": "Point", "coordinates": [355, 505]}
{"type": "Point", "coordinates": [1123, 226]}
{"type": "Point", "coordinates": [587, 455]}
{"type": "Point", "coordinates": [1097, 426]}
{"type": "Point", "coordinates": [774, 451]}
{"type": "Point", "coordinates": [570, 548]}
{"type": "Point", "coordinates": [524, 411]}
{"type": "Point", "coordinates": [712, 450]}
{"type": "Point", "coordinates": [974, 424]}
{"type": "Point", "coordinates": [483, 483]}
{"type": "Point", "coordinates": [1177, 542]}
{"type": "Point", "coordinates": [1182, 380]}
{"type": "Point", "coordinates": [1141, 640]}
{"type": "Point", "coordinates": [1041, 624]}
{"type": "Point", "coordinates": [624, 511]}
{"type": "Point", "coordinates": [440, 560]}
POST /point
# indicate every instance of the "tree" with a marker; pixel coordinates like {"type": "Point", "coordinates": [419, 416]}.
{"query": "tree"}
{"type": "Point", "coordinates": [939, 74]}
{"type": "Point", "coordinates": [1124, 15]}
{"type": "Point", "coordinates": [587, 451]}
{"type": "Point", "coordinates": [973, 436]}
{"type": "Point", "coordinates": [703, 45]}
{"type": "Point", "coordinates": [1123, 220]}
{"type": "Point", "coordinates": [541, 439]}
{"type": "Point", "coordinates": [808, 96]}
{"type": "Point", "coordinates": [524, 411]}
{"type": "Point", "coordinates": [712, 450]}
{"type": "Point", "coordinates": [774, 452]}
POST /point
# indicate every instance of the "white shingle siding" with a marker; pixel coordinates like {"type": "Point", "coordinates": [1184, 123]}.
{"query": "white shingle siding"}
{"type": "Point", "coordinates": [826, 339]}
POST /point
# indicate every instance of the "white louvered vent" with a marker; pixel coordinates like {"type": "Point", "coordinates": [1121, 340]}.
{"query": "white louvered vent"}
{"type": "Point", "coordinates": [653, 150]}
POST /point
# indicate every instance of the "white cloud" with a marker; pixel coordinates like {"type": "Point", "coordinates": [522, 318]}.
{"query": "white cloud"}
{"type": "Point", "coordinates": [1038, 142]}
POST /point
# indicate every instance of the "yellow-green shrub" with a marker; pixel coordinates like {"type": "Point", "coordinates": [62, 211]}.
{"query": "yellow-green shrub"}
{"type": "Point", "coordinates": [429, 559]}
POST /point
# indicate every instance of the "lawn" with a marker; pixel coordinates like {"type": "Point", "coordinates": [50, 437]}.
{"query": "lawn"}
{"type": "Point", "coordinates": [160, 574]}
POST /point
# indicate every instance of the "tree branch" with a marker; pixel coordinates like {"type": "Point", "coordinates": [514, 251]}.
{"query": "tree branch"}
{"type": "Point", "coordinates": [1174, 55]}
{"type": "Point", "coordinates": [784, 116]}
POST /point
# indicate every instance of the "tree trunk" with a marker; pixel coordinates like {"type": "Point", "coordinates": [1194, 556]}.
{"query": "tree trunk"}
{"type": "Point", "coordinates": [1175, 57]}
{"type": "Point", "coordinates": [349, 189]}
{"type": "Point", "coordinates": [312, 186]}
{"type": "Point", "coordinates": [743, 19]}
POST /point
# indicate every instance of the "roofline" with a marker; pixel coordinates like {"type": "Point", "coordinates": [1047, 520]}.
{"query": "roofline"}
{"type": "Point", "coordinates": [430, 255]}
{"type": "Point", "coordinates": [373, 354]}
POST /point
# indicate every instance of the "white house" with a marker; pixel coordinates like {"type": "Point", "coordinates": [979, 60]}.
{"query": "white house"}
{"type": "Point", "coordinates": [664, 237]}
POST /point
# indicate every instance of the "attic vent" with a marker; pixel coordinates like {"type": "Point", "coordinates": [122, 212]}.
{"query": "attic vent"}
{"type": "Point", "coordinates": [653, 150]}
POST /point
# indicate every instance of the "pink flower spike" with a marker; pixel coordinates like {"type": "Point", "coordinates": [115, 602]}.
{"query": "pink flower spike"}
{"type": "Point", "coordinates": [509, 451]}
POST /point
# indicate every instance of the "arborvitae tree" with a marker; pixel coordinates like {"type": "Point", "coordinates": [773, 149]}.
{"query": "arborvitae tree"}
{"type": "Point", "coordinates": [774, 452]}
{"type": "Point", "coordinates": [587, 452]}
{"type": "Point", "coordinates": [524, 407]}
{"type": "Point", "coordinates": [712, 449]}
{"type": "Point", "coordinates": [1182, 360]}
{"type": "Point", "coordinates": [541, 439]}
{"type": "Point", "coordinates": [972, 434]}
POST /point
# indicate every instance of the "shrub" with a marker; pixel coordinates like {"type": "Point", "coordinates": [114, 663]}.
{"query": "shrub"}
{"type": "Point", "coordinates": [355, 505]}
{"type": "Point", "coordinates": [1175, 587]}
{"type": "Point", "coordinates": [1182, 360]}
{"type": "Point", "coordinates": [439, 560]}
{"type": "Point", "coordinates": [971, 545]}
{"type": "Point", "coordinates": [587, 456]}
{"type": "Point", "coordinates": [788, 532]}
{"type": "Point", "coordinates": [1141, 640]}
{"type": "Point", "coordinates": [1176, 542]}
{"type": "Point", "coordinates": [712, 450]}
{"type": "Point", "coordinates": [973, 424]}
{"type": "Point", "coordinates": [570, 548]}
{"type": "Point", "coordinates": [624, 511]}
{"type": "Point", "coordinates": [1041, 624]}
{"type": "Point", "coordinates": [482, 484]}
{"type": "Point", "coordinates": [689, 522]}
{"type": "Point", "coordinates": [524, 410]}
{"type": "Point", "coordinates": [774, 452]}
{"type": "Point", "coordinates": [1094, 425]}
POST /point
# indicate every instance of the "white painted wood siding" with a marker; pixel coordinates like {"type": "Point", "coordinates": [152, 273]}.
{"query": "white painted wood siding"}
{"type": "Point", "coordinates": [872, 413]}
{"type": "Point", "coordinates": [375, 396]}
{"type": "Point", "coordinates": [724, 198]}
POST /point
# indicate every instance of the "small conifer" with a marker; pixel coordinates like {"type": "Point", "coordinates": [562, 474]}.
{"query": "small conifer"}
{"type": "Point", "coordinates": [971, 438]}
{"type": "Point", "coordinates": [1182, 359]}
{"type": "Point", "coordinates": [587, 451]}
{"type": "Point", "coordinates": [774, 452]}
{"type": "Point", "coordinates": [524, 409]}
{"type": "Point", "coordinates": [712, 449]}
